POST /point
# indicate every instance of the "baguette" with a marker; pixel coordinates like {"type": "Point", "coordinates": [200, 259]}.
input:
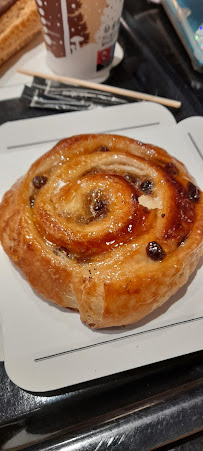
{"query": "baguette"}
{"type": "Point", "coordinates": [18, 25]}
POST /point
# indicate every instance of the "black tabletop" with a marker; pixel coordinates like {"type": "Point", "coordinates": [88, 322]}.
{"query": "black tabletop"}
{"type": "Point", "coordinates": [157, 406]}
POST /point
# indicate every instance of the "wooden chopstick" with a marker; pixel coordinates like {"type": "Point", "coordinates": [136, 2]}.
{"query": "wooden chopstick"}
{"type": "Point", "coordinates": [106, 88]}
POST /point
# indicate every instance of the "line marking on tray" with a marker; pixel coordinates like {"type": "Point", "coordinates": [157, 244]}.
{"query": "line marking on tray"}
{"type": "Point", "coordinates": [36, 143]}
{"type": "Point", "coordinates": [18, 146]}
{"type": "Point", "coordinates": [101, 343]}
{"type": "Point", "coordinates": [151, 124]}
{"type": "Point", "coordinates": [195, 145]}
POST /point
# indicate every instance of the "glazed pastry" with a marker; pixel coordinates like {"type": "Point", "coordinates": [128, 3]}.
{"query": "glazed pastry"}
{"type": "Point", "coordinates": [106, 225]}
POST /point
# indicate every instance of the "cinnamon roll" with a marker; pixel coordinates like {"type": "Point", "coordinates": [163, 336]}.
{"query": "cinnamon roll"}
{"type": "Point", "coordinates": [105, 225]}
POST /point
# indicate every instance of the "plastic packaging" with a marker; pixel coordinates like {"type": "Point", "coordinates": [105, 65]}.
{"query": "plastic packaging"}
{"type": "Point", "coordinates": [47, 94]}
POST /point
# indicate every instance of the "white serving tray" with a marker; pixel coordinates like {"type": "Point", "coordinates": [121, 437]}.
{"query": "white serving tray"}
{"type": "Point", "coordinates": [47, 347]}
{"type": "Point", "coordinates": [39, 134]}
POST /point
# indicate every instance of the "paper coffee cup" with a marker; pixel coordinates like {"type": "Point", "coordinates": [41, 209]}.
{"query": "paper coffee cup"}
{"type": "Point", "coordinates": [80, 35]}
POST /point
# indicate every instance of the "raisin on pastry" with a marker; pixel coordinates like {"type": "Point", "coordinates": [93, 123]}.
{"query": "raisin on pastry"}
{"type": "Point", "coordinates": [106, 225]}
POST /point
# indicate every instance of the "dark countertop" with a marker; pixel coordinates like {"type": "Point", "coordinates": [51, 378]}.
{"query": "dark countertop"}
{"type": "Point", "coordinates": [139, 409]}
{"type": "Point", "coordinates": [146, 408]}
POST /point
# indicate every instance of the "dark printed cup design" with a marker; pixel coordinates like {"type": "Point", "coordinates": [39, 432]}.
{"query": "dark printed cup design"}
{"type": "Point", "coordinates": [80, 35]}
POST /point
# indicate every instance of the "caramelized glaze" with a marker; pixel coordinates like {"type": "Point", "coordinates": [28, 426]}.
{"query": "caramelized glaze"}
{"type": "Point", "coordinates": [106, 225]}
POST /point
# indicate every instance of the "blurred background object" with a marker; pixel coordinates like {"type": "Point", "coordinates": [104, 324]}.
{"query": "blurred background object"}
{"type": "Point", "coordinates": [186, 17]}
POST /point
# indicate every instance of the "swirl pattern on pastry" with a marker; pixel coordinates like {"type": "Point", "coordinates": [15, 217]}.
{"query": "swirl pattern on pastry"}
{"type": "Point", "coordinates": [106, 225]}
